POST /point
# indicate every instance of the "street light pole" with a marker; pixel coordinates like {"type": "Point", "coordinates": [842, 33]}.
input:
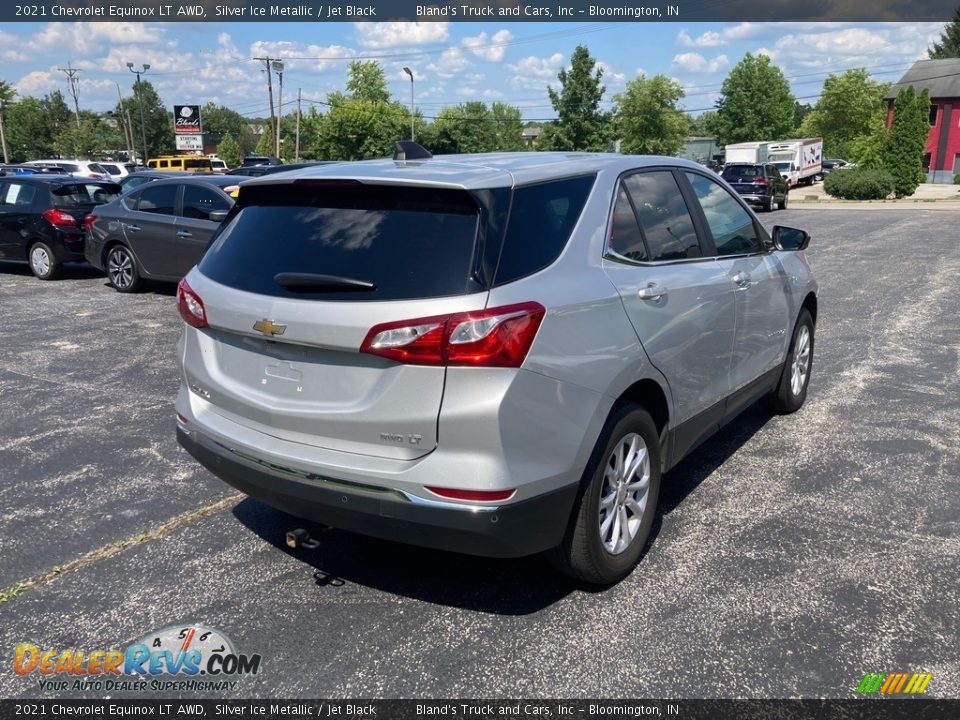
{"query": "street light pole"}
{"type": "Point", "coordinates": [143, 127]}
{"type": "Point", "coordinates": [413, 135]}
{"type": "Point", "coordinates": [278, 66]}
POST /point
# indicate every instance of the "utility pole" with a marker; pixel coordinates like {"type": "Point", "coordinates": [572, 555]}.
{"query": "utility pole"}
{"type": "Point", "coordinates": [266, 62]}
{"type": "Point", "coordinates": [297, 151]}
{"type": "Point", "coordinates": [413, 134]}
{"type": "Point", "coordinates": [278, 66]}
{"type": "Point", "coordinates": [143, 127]}
{"type": "Point", "coordinates": [125, 125]}
{"type": "Point", "coordinates": [71, 73]}
{"type": "Point", "coordinates": [133, 145]}
{"type": "Point", "coordinates": [3, 136]}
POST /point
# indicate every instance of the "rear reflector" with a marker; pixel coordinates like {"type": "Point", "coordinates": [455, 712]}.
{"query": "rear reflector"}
{"type": "Point", "coordinates": [473, 495]}
{"type": "Point", "coordinates": [59, 218]}
{"type": "Point", "coordinates": [190, 306]}
{"type": "Point", "coordinates": [495, 337]}
{"type": "Point", "coordinates": [181, 419]}
{"type": "Point", "coordinates": [88, 221]}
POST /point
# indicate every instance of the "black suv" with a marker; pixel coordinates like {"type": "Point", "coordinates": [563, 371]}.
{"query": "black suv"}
{"type": "Point", "coordinates": [42, 218]}
{"type": "Point", "coordinates": [760, 185]}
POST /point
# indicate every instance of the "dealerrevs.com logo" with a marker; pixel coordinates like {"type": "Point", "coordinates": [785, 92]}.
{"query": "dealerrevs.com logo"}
{"type": "Point", "coordinates": [177, 658]}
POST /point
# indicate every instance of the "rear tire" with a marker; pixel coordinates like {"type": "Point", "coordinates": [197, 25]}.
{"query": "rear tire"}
{"type": "Point", "coordinates": [791, 392]}
{"type": "Point", "coordinates": [43, 263]}
{"type": "Point", "coordinates": [783, 203]}
{"type": "Point", "coordinates": [617, 503]}
{"type": "Point", "coordinates": [768, 204]}
{"type": "Point", "coordinates": [122, 270]}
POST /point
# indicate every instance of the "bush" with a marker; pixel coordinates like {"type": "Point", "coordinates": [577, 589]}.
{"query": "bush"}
{"type": "Point", "coordinates": [956, 179]}
{"type": "Point", "coordinates": [859, 184]}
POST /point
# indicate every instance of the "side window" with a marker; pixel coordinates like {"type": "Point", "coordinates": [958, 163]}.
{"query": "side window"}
{"type": "Point", "coordinates": [199, 202]}
{"type": "Point", "coordinates": [626, 239]}
{"type": "Point", "coordinates": [19, 195]}
{"type": "Point", "coordinates": [663, 214]}
{"type": "Point", "coordinates": [164, 163]}
{"type": "Point", "coordinates": [772, 171]}
{"type": "Point", "coordinates": [730, 224]}
{"type": "Point", "coordinates": [541, 219]}
{"type": "Point", "coordinates": [159, 199]}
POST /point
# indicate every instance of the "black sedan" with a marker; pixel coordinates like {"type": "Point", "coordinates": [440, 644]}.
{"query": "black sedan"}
{"type": "Point", "coordinates": [42, 218]}
{"type": "Point", "coordinates": [158, 231]}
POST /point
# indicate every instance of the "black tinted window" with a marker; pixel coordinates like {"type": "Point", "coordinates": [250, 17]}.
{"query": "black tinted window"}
{"type": "Point", "coordinates": [730, 224]}
{"type": "Point", "coordinates": [67, 196]}
{"type": "Point", "coordinates": [737, 172]}
{"type": "Point", "coordinates": [199, 202]}
{"type": "Point", "coordinates": [158, 199]}
{"type": "Point", "coordinates": [625, 237]}
{"type": "Point", "coordinates": [408, 242]}
{"type": "Point", "coordinates": [663, 215]}
{"type": "Point", "coordinates": [541, 220]}
{"type": "Point", "coordinates": [19, 195]}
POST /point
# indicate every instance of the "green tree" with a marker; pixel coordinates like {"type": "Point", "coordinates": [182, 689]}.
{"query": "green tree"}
{"type": "Point", "coordinates": [949, 45]}
{"type": "Point", "coordinates": [466, 128]}
{"type": "Point", "coordinates": [580, 124]}
{"type": "Point", "coordinates": [157, 120]}
{"type": "Point", "coordinates": [755, 103]}
{"type": "Point", "coordinates": [908, 139]}
{"type": "Point", "coordinates": [800, 113]}
{"type": "Point", "coordinates": [647, 118]}
{"type": "Point", "coordinates": [366, 81]}
{"type": "Point", "coordinates": [704, 124]}
{"type": "Point", "coordinates": [508, 127]}
{"type": "Point", "coordinates": [95, 137]}
{"type": "Point", "coordinates": [34, 124]}
{"type": "Point", "coordinates": [7, 93]}
{"type": "Point", "coordinates": [229, 151]}
{"type": "Point", "coordinates": [850, 106]}
{"type": "Point", "coordinates": [222, 121]}
{"type": "Point", "coordinates": [266, 145]}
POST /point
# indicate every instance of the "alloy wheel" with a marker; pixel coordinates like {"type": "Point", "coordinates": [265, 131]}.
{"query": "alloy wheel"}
{"type": "Point", "coordinates": [801, 361]}
{"type": "Point", "coordinates": [120, 268]}
{"type": "Point", "coordinates": [623, 493]}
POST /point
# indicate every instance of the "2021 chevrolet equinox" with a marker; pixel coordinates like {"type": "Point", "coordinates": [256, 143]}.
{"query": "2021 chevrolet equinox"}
{"type": "Point", "coordinates": [493, 354]}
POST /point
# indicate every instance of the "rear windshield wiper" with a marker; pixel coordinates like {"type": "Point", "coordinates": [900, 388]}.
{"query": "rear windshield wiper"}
{"type": "Point", "coordinates": [313, 282]}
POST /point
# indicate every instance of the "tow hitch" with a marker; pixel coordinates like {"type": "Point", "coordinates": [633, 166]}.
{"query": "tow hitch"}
{"type": "Point", "coordinates": [300, 538]}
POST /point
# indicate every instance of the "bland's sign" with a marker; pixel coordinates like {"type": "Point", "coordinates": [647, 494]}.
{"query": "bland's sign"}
{"type": "Point", "coordinates": [186, 119]}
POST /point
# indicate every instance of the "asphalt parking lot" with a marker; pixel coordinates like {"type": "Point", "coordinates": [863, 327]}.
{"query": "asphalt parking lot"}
{"type": "Point", "coordinates": [792, 555]}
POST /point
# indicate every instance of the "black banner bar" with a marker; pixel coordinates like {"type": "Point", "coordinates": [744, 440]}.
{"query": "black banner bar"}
{"type": "Point", "coordinates": [854, 709]}
{"type": "Point", "coordinates": [576, 11]}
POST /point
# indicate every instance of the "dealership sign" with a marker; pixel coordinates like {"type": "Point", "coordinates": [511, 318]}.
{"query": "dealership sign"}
{"type": "Point", "coordinates": [189, 142]}
{"type": "Point", "coordinates": [186, 119]}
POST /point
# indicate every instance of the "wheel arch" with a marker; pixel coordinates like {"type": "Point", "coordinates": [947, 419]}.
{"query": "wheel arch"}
{"type": "Point", "coordinates": [810, 304]}
{"type": "Point", "coordinates": [648, 394]}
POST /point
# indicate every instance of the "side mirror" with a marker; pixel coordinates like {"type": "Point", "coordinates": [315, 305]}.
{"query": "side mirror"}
{"type": "Point", "coordinates": [788, 238]}
{"type": "Point", "coordinates": [217, 216]}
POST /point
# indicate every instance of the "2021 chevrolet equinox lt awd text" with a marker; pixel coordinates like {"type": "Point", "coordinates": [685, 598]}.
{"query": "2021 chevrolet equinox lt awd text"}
{"type": "Point", "coordinates": [492, 354]}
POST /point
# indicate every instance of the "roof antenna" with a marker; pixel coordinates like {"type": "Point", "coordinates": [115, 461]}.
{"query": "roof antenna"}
{"type": "Point", "coordinates": [405, 150]}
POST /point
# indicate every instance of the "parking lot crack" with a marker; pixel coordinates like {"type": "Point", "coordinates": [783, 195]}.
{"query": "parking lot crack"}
{"type": "Point", "coordinates": [115, 548]}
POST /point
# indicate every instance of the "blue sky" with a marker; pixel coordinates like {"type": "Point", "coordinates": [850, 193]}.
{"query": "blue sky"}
{"type": "Point", "coordinates": [452, 62]}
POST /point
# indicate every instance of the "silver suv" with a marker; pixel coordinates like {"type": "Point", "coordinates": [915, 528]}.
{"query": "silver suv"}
{"type": "Point", "coordinates": [492, 354]}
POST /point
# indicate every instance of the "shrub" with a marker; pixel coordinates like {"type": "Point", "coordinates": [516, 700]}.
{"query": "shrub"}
{"type": "Point", "coordinates": [859, 184]}
{"type": "Point", "coordinates": [956, 179]}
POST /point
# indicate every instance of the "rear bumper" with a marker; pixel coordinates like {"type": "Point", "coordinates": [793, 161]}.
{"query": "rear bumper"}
{"type": "Point", "coordinates": [513, 530]}
{"type": "Point", "coordinates": [756, 199]}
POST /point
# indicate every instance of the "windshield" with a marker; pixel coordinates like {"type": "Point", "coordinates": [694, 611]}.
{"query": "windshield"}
{"type": "Point", "coordinates": [783, 166]}
{"type": "Point", "coordinates": [196, 163]}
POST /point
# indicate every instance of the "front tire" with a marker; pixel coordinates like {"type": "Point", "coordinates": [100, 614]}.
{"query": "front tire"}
{"type": "Point", "coordinates": [122, 270]}
{"type": "Point", "coordinates": [783, 203]}
{"type": "Point", "coordinates": [791, 392]}
{"type": "Point", "coordinates": [43, 263]}
{"type": "Point", "coordinates": [617, 504]}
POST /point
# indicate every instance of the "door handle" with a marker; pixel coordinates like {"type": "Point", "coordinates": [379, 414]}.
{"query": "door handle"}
{"type": "Point", "coordinates": [132, 228]}
{"type": "Point", "coordinates": [652, 292]}
{"type": "Point", "coordinates": [183, 234]}
{"type": "Point", "coordinates": [742, 279]}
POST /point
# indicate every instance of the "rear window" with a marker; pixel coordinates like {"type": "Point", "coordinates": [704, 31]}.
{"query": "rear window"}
{"type": "Point", "coordinates": [112, 169]}
{"type": "Point", "coordinates": [408, 242]}
{"type": "Point", "coordinates": [67, 196]}
{"type": "Point", "coordinates": [736, 172]}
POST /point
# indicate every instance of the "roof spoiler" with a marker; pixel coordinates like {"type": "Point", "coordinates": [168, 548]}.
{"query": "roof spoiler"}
{"type": "Point", "coordinates": [408, 150]}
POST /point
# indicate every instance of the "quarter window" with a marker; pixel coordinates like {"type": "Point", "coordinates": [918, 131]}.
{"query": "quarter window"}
{"type": "Point", "coordinates": [626, 240]}
{"type": "Point", "coordinates": [663, 214]}
{"type": "Point", "coordinates": [730, 224]}
{"type": "Point", "coordinates": [19, 194]}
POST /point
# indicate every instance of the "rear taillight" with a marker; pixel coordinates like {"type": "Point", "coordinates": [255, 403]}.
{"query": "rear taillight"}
{"type": "Point", "coordinates": [473, 495]}
{"type": "Point", "coordinates": [59, 218]}
{"type": "Point", "coordinates": [190, 306]}
{"type": "Point", "coordinates": [88, 221]}
{"type": "Point", "coordinates": [760, 181]}
{"type": "Point", "coordinates": [496, 337]}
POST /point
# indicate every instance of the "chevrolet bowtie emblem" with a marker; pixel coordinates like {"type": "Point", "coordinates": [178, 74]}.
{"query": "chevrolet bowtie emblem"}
{"type": "Point", "coordinates": [269, 327]}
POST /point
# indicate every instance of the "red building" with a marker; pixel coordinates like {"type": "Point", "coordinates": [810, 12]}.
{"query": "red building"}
{"type": "Point", "coordinates": [942, 79]}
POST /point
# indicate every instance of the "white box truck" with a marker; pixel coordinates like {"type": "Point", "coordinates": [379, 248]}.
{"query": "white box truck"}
{"type": "Point", "coordinates": [747, 152]}
{"type": "Point", "coordinates": [800, 161]}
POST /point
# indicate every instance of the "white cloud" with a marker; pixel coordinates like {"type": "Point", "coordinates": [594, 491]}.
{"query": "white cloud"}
{"type": "Point", "coordinates": [400, 34]}
{"type": "Point", "coordinates": [321, 57]}
{"type": "Point", "coordinates": [696, 63]}
{"type": "Point", "coordinates": [489, 48]}
{"type": "Point", "coordinates": [492, 94]}
{"type": "Point", "coordinates": [451, 63]}
{"type": "Point", "coordinates": [466, 91]}
{"type": "Point", "coordinates": [38, 82]}
{"type": "Point", "coordinates": [532, 71]}
{"type": "Point", "coordinates": [611, 78]}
